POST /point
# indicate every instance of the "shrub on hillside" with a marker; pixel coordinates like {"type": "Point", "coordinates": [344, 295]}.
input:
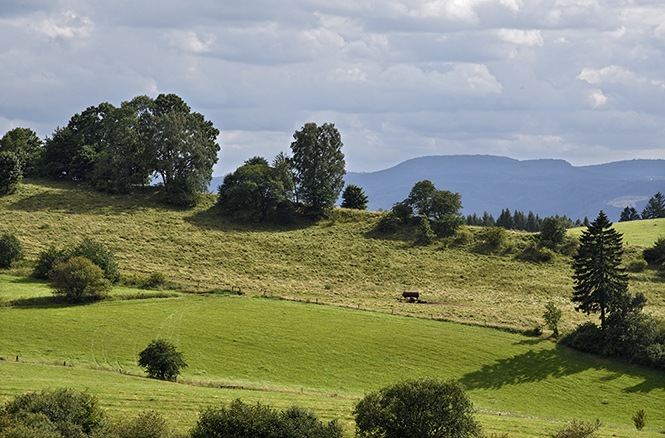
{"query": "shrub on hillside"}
{"type": "Point", "coordinates": [147, 424]}
{"type": "Point", "coordinates": [96, 252]}
{"type": "Point", "coordinates": [47, 259]}
{"type": "Point", "coordinates": [161, 360]}
{"type": "Point", "coordinates": [388, 223]}
{"type": "Point", "coordinates": [655, 255]}
{"type": "Point", "coordinates": [495, 238]}
{"type": "Point", "coordinates": [11, 250]}
{"type": "Point", "coordinates": [637, 265]}
{"type": "Point", "coordinates": [414, 408]}
{"type": "Point", "coordinates": [578, 429]}
{"type": "Point", "coordinates": [242, 420]}
{"type": "Point", "coordinates": [57, 413]}
{"type": "Point", "coordinates": [640, 419]}
{"type": "Point", "coordinates": [10, 172]}
{"type": "Point", "coordinates": [100, 255]}
{"type": "Point", "coordinates": [78, 280]}
{"type": "Point", "coordinates": [535, 253]}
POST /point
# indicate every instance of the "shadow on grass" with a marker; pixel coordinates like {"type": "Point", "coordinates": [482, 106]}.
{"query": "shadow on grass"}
{"type": "Point", "coordinates": [212, 219]}
{"type": "Point", "coordinates": [536, 366]}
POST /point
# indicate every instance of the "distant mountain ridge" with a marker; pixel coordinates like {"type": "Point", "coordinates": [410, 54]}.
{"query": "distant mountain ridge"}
{"type": "Point", "coordinates": [492, 183]}
{"type": "Point", "coordinates": [547, 187]}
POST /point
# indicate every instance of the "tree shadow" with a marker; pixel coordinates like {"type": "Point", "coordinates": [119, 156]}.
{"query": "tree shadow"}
{"type": "Point", "coordinates": [211, 219]}
{"type": "Point", "coordinates": [536, 366]}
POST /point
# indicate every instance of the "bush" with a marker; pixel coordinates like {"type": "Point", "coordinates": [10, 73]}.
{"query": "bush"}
{"type": "Point", "coordinates": [46, 260]}
{"type": "Point", "coordinates": [495, 238]}
{"type": "Point", "coordinates": [11, 250]}
{"type": "Point", "coordinates": [10, 172]}
{"type": "Point", "coordinates": [147, 424]}
{"type": "Point", "coordinates": [535, 253]}
{"type": "Point", "coordinates": [100, 255]}
{"type": "Point", "coordinates": [161, 360]}
{"type": "Point", "coordinates": [415, 408]}
{"type": "Point", "coordinates": [78, 280]}
{"type": "Point", "coordinates": [655, 255]}
{"type": "Point", "coordinates": [552, 316]}
{"type": "Point", "coordinates": [463, 237]}
{"type": "Point", "coordinates": [424, 233]}
{"type": "Point", "coordinates": [53, 413]}
{"type": "Point", "coordinates": [241, 420]}
{"type": "Point", "coordinates": [154, 280]}
{"type": "Point", "coordinates": [389, 223]}
{"type": "Point", "coordinates": [586, 337]}
{"type": "Point", "coordinates": [637, 265]}
{"type": "Point", "coordinates": [447, 225]}
{"type": "Point", "coordinates": [640, 419]}
{"type": "Point", "coordinates": [578, 429]}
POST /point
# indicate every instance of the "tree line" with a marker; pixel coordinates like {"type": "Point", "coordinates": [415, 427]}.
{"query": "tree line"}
{"type": "Point", "coordinates": [655, 209]}
{"type": "Point", "coordinates": [117, 148]}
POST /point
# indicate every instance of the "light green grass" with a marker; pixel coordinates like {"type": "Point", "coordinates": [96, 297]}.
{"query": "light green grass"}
{"type": "Point", "coordinates": [336, 353]}
{"type": "Point", "coordinates": [642, 233]}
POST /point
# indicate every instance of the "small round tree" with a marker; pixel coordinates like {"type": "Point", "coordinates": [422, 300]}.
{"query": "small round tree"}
{"type": "Point", "coordinates": [11, 250]}
{"type": "Point", "coordinates": [417, 408]}
{"type": "Point", "coordinates": [552, 316]}
{"type": "Point", "coordinates": [78, 280]}
{"type": "Point", "coordinates": [161, 360]}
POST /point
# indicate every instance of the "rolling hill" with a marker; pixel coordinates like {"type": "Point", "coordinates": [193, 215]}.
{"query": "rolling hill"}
{"type": "Point", "coordinates": [546, 187]}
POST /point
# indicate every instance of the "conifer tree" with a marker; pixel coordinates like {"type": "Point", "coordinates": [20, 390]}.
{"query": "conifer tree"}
{"type": "Point", "coordinates": [600, 284]}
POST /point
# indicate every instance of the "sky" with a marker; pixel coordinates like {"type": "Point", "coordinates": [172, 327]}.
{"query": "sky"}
{"type": "Point", "coordinates": [579, 80]}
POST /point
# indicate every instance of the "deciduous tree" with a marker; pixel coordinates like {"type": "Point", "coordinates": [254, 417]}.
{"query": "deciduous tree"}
{"type": "Point", "coordinates": [162, 360]}
{"type": "Point", "coordinates": [318, 163]}
{"type": "Point", "coordinates": [10, 172]}
{"type": "Point", "coordinates": [27, 146]}
{"type": "Point", "coordinates": [417, 408]}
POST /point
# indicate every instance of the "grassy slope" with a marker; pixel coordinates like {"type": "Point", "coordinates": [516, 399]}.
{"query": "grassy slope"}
{"type": "Point", "coordinates": [340, 263]}
{"type": "Point", "coordinates": [288, 347]}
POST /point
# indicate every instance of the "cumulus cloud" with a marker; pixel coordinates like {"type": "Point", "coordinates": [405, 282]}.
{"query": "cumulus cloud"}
{"type": "Point", "coordinates": [400, 78]}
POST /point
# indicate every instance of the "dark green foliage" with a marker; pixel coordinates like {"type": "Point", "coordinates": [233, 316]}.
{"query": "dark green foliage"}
{"type": "Point", "coordinates": [586, 337]}
{"type": "Point", "coordinates": [27, 146]}
{"type": "Point", "coordinates": [599, 281]}
{"type": "Point", "coordinates": [240, 420]}
{"type": "Point", "coordinates": [536, 253]}
{"type": "Point", "coordinates": [59, 413]}
{"type": "Point", "coordinates": [78, 280]}
{"type": "Point", "coordinates": [655, 208]}
{"type": "Point", "coordinates": [578, 429]}
{"type": "Point", "coordinates": [388, 223]}
{"type": "Point", "coordinates": [447, 226]}
{"type": "Point", "coordinates": [552, 316]}
{"type": "Point", "coordinates": [254, 192]}
{"type": "Point", "coordinates": [495, 238]}
{"type": "Point", "coordinates": [552, 232]}
{"type": "Point", "coordinates": [318, 165]}
{"type": "Point", "coordinates": [629, 214]}
{"type": "Point", "coordinates": [147, 424]}
{"type": "Point", "coordinates": [47, 259]}
{"type": "Point", "coordinates": [640, 419]}
{"type": "Point", "coordinates": [10, 172]}
{"type": "Point", "coordinates": [417, 408]}
{"type": "Point", "coordinates": [11, 250]}
{"type": "Point", "coordinates": [655, 255]}
{"type": "Point", "coordinates": [354, 197]}
{"type": "Point", "coordinates": [505, 220]}
{"type": "Point", "coordinates": [100, 255]}
{"type": "Point", "coordinates": [161, 360]}
{"type": "Point", "coordinates": [637, 265]}
{"type": "Point", "coordinates": [424, 233]}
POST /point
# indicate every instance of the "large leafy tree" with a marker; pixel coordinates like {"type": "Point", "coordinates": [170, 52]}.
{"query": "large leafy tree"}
{"type": "Point", "coordinates": [600, 284]}
{"type": "Point", "coordinates": [318, 164]}
{"type": "Point", "coordinates": [184, 147]}
{"type": "Point", "coordinates": [655, 208]}
{"type": "Point", "coordinates": [440, 207]}
{"type": "Point", "coordinates": [253, 192]}
{"type": "Point", "coordinates": [415, 409]}
{"type": "Point", "coordinates": [26, 145]}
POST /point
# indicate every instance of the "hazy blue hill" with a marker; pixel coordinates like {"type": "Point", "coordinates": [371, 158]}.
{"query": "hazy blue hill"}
{"type": "Point", "coordinates": [546, 187]}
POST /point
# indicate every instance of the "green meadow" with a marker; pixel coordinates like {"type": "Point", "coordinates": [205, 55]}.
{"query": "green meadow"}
{"type": "Point", "coordinates": [319, 323]}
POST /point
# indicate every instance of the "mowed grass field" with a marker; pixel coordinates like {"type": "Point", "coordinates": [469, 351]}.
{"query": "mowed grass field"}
{"type": "Point", "coordinates": [321, 357]}
{"type": "Point", "coordinates": [324, 357]}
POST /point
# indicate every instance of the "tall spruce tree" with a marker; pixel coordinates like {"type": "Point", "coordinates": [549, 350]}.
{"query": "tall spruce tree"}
{"type": "Point", "coordinates": [655, 208]}
{"type": "Point", "coordinates": [600, 284]}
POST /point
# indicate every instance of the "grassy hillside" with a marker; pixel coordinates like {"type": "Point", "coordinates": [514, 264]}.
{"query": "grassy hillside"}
{"type": "Point", "coordinates": [330, 355]}
{"type": "Point", "coordinates": [340, 261]}
{"type": "Point", "coordinates": [284, 351]}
